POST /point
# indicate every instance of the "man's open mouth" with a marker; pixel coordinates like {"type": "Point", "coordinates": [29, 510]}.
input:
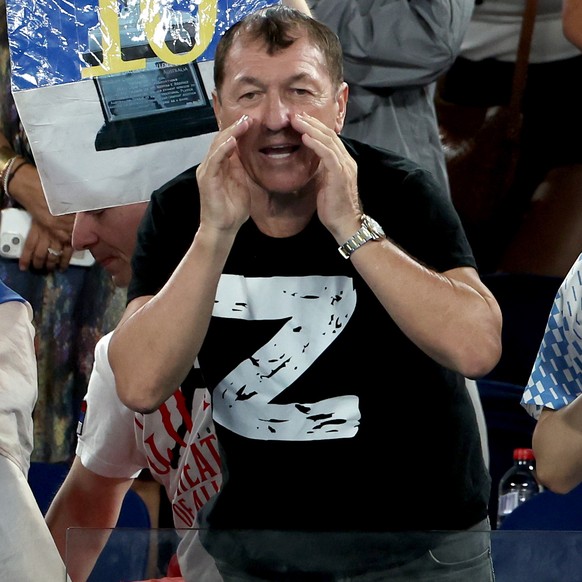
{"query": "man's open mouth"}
{"type": "Point", "coordinates": [282, 151]}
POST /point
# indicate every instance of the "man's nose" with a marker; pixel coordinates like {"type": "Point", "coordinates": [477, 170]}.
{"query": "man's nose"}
{"type": "Point", "coordinates": [83, 235]}
{"type": "Point", "coordinates": [277, 113]}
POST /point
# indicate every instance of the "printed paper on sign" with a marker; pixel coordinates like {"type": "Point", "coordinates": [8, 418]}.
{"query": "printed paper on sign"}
{"type": "Point", "coordinates": [115, 95]}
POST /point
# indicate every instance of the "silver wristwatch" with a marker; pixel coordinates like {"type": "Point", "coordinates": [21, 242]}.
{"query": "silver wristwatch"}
{"type": "Point", "coordinates": [370, 230]}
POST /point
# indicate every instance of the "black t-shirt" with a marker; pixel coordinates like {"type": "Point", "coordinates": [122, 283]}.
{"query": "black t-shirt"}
{"type": "Point", "coordinates": [328, 417]}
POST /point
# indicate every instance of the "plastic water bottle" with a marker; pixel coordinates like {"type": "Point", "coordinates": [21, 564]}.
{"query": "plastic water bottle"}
{"type": "Point", "coordinates": [518, 484]}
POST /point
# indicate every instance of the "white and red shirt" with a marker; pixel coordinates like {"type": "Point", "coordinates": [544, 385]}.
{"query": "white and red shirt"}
{"type": "Point", "coordinates": [177, 443]}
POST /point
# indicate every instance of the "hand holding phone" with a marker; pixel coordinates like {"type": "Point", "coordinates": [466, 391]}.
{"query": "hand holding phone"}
{"type": "Point", "coordinates": [15, 225]}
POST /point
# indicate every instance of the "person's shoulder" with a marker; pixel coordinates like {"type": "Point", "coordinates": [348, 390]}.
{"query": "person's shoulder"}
{"type": "Point", "coordinates": [7, 294]}
{"type": "Point", "coordinates": [569, 291]}
{"type": "Point", "coordinates": [367, 156]}
{"type": "Point", "coordinates": [184, 180]}
{"type": "Point", "coordinates": [177, 197]}
{"type": "Point", "coordinates": [383, 168]}
{"type": "Point", "coordinates": [575, 272]}
{"type": "Point", "coordinates": [101, 374]}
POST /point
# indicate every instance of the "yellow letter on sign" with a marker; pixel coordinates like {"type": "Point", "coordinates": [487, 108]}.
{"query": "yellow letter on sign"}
{"type": "Point", "coordinates": [111, 61]}
{"type": "Point", "coordinates": [156, 33]}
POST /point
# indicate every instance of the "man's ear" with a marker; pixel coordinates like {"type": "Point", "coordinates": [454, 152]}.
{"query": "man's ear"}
{"type": "Point", "coordinates": [342, 103]}
{"type": "Point", "coordinates": [217, 107]}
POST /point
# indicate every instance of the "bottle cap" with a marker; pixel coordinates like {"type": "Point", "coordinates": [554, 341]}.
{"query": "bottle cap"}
{"type": "Point", "coordinates": [523, 455]}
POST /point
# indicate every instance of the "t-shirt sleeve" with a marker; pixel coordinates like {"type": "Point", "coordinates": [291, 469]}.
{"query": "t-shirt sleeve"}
{"type": "Point", "coordinates": [165, 234]}
{"type": "Point", "coordinates": [556, 377]}
{"type": "Point", "coordinates": [435, 236]}
{"type": "Point", "coordinates": [107, 442]}
{"type": "Point", "coordinates": [412, 207]}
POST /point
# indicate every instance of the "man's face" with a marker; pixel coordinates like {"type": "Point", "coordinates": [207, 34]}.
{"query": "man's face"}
{"type": "Point", "coordinates": [110, 234]}
{"type": "Point", "coordinates": [271, 89]}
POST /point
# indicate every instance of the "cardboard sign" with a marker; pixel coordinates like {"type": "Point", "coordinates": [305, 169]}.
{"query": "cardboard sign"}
{"type": "Point", "coordinates": [115, 95]}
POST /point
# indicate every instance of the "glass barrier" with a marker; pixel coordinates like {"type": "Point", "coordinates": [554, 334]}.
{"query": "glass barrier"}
{"type": "Point", "coordinates": [131, 555]}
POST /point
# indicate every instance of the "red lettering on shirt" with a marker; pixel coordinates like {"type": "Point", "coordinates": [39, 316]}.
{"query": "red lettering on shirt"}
{"type": "Point", "coordinates": [208, 442]}
{"type": "Point", "coordinates": [183, 409]}
{"type": "Point", "coordinates": [164, 461]}
{"type": "Point", "coordinates": [183, 512]}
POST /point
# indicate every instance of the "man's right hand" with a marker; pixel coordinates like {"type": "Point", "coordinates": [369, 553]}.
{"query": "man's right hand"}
{"type": "Point", "coordinates": [224, 184]}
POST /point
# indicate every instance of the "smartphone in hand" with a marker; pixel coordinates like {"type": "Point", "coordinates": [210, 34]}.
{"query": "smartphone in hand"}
{"type": "Point", "coordinates": [14, 227]}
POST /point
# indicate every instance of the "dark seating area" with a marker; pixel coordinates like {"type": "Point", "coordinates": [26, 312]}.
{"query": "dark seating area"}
{"type": "Point", "coordinates": [525, 302]}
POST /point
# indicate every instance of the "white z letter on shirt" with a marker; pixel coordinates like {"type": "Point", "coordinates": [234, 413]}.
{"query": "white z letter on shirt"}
{"type": "Point", "coordinates": [317, 309]}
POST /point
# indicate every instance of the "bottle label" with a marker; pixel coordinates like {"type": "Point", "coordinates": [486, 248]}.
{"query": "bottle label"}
{"type": "Point", "coordinates": [508, 502]}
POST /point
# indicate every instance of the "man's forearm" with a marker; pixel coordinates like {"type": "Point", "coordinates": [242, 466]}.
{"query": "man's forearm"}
{"type": "Point", "coordinates": [451, 316]}
{"type": "Point", "coordinates": [152, 351]}
{"type": "Point", "coordinates": [85, 500]}
{"type": "Point", "coordinates": [557, 443]}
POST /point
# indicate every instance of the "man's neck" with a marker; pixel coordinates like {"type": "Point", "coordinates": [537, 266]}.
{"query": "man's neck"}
{"type": "Point", "coordinates": [283, 214]}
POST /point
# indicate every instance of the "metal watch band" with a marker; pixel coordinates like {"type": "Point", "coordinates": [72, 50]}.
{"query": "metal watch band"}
{"type": "Point", "coordinates": [355, 242]}
{"type": "Point", "coordinates": [370, 230]}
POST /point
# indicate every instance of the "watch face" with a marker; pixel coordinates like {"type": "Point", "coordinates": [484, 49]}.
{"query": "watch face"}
{"type": "Point", "coordinates": [370, 230]}
{"type": "Point", "coordinates": [373, 226]}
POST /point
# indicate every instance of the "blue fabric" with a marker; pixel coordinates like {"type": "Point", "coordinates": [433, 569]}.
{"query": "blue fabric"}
{"type": "Point", "coordinates": [555, 377]}
{"type": "Point", "coordinates": [6, 294]}
{"type": "Point", "coordinates": [541, 540]}
{"type": "Point", "coordinates": [537, 556]}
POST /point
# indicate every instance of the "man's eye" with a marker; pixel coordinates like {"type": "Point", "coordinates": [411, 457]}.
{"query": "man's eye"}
{"type": "Point", "coordinates": [249, 96]}
{"type": "Point", "coordinates": [300, 91]}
